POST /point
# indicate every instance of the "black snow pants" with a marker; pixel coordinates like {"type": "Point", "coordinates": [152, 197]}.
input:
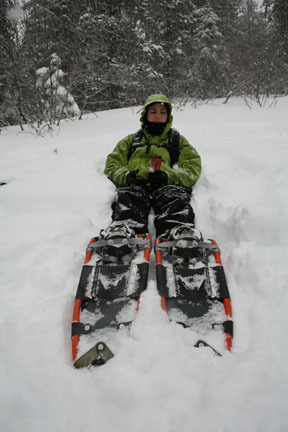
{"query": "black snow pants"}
{"type": "Point", "coordinates": [171, 205]}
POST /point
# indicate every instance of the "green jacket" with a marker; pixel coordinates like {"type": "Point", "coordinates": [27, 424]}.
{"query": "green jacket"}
{"type": "Point", "coordinates": [185, 173]}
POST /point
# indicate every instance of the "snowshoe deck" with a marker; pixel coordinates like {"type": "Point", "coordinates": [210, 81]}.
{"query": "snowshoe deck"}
{"type": "Point", "coordinates": [113, 276]}
{"type": "Point", "coordinates": [193, 289]}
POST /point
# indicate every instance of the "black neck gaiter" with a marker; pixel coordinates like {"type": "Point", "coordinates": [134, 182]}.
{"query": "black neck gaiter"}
{"type": "Point", "coordinates": [154, 128]}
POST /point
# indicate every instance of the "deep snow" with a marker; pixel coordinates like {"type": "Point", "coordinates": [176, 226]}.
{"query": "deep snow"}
{"type": "Point", "coordinates": [57, 198]}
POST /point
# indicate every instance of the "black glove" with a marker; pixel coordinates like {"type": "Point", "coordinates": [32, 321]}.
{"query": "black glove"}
{"type": "Point", "coordinates": [157, 178]}
{"type": "Point", "coordinates": [132, 180]}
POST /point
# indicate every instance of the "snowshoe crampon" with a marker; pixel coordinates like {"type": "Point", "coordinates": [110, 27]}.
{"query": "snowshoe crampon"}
{"type": "Point", "coordinates": [113, 276]}
{"type": "Point", "coordinates": [193, 288]}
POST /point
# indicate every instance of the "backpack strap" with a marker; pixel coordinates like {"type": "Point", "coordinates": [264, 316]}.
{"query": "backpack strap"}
{"type": "Point", "coordinates": [135, 143]}
{"type": "Point", "coordinates": [172, 146]}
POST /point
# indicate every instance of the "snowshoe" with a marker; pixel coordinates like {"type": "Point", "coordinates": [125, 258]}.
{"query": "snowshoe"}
{"type": "Point", "coordinates": [193, 288]}
{"type": "Point", "coordinates": [113, 276]}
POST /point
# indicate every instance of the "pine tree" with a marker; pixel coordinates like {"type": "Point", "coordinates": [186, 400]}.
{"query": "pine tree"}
{"type": "Point", "coordinates": [58, 103]}
{"type": "Point", "coordinates": [8, 94]}
{"type": "Point", "coordinates": [277, 13]}
{"type": "Point", "coordinates": [179, 45]}
{"type": "Point", "coordinates": [207, 72]}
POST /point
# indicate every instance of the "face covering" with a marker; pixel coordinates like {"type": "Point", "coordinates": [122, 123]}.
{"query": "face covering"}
{"type": "Point", "coordinates": [154, 128]}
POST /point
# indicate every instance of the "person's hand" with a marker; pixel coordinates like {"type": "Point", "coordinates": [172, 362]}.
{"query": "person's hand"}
{"type": "Point", "coordinates": [157, 178]}
{"type": "Point", "coordinates": [132, 180]}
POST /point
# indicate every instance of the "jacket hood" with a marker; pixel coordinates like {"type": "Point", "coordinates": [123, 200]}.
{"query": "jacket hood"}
{"type": "Point", "coordinates": [154, 99]}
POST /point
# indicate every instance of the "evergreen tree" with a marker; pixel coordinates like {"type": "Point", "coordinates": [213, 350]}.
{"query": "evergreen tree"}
{"type": "Point", "coordinates": [179, 45]}
{"type": "Point", "coordinates": [277, 13]}
{"type": "Point", "coordinates": [49, 27]}
{"type": "Point", "coordinates": [149, 49]}
{"type": "Point", "coordinates": [58, 103]}
{"type": "Point", "coordinates": [207, 73]}
{"type": "Point", "coordinates": [8, 94]}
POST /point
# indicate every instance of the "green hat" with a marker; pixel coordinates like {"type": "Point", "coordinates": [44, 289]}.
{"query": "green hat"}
{"type": "Point", "coordinates": [158, 98]}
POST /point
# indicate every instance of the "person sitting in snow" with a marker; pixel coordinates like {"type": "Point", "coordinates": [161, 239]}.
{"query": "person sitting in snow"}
{"type": "Point", "coordinates": [154, 168]}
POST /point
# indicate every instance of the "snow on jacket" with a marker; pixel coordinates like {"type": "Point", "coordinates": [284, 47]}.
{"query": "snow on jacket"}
{"type": "Point", "coordinates": [185, 173]}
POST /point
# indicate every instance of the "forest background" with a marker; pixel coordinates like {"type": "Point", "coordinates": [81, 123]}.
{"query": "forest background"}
{"type": "Point", "coordinates": [114, 54]}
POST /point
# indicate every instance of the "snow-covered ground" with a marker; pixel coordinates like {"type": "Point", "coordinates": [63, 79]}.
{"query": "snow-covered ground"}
{"type": "Point", "coordinates": [57, 198]}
